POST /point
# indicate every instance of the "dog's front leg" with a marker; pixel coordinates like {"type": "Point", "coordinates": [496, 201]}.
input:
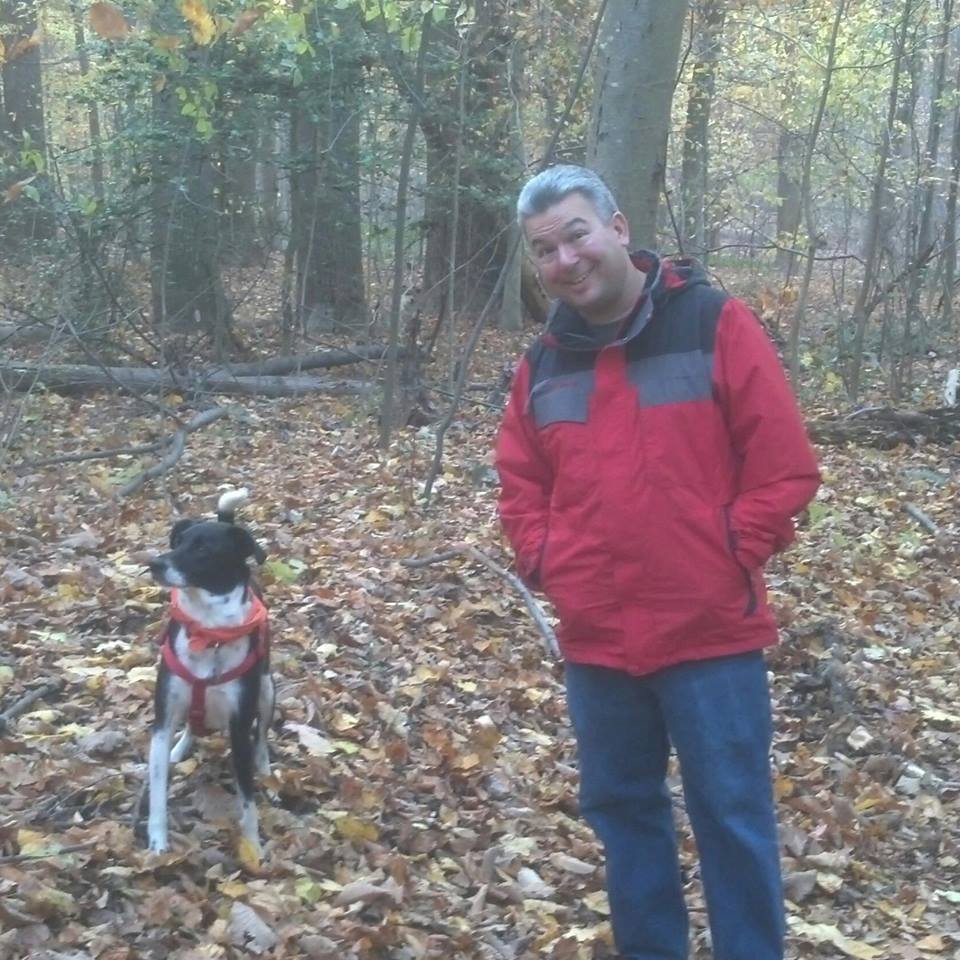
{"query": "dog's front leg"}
{"type": "Point", "coordinates": [241, 750]}
{"type": "Point", "coordinates": [159, 781]}
{"type": "Point", "coordinates": [169, 711]}
{"type": "Point", "coordinates": [265, 704]}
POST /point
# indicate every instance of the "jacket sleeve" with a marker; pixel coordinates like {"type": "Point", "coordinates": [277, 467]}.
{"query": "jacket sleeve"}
{"type": "Point", "coordinates": [778, 473]}
{"type": "Point", "coordinates": [526, 479]}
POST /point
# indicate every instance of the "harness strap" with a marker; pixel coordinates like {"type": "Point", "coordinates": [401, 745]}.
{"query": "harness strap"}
{"type": "Point", "coordinates": [198, 685]}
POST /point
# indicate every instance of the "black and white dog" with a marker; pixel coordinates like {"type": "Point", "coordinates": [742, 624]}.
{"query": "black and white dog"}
{"type": "Point", "coordinates": [214, 671]}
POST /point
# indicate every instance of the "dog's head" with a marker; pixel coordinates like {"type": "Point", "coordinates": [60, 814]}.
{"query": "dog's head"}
{"type": "Point", "coordinates": [207, 554]}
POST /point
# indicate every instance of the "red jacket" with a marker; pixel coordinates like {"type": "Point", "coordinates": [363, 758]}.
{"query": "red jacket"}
{"type": "Point", "coordinates": [644, 484]}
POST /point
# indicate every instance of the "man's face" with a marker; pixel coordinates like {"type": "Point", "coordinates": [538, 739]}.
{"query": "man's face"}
{"type": "Point", "coordinates": [582, 260]}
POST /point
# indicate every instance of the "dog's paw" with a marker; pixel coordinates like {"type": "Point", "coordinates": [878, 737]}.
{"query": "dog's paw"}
{"type": "Point", "coordinates": [250, 854]}
{"type": "Point", "coordinates": [158, 841]}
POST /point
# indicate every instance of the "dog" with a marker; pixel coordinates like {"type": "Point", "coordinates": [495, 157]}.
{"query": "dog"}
{"type": "Point", "coordinates": [214, 669]}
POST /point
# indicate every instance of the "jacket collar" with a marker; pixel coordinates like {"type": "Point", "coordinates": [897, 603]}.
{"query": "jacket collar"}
{"type": "Point", "coordinates": [567, 329]}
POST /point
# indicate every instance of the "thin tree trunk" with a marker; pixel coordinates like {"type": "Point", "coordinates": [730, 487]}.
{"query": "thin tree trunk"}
{"type": "Point", "coordinates": [388, 414]}
{"type": "Point", "coordinates": [695, 170]}
{"type": "Point", "coordinates": [861, 315]}
{"type": "Point", "coordinates": [793, 349]}
{"type": "Point", "coordinates": [511, 306]}
{"type": "Point", "coordinates": [463, 54]}
{"type": "Point", "coordinates": [950, 224]}
{"type": "Point", "coordinates": [93, 111]}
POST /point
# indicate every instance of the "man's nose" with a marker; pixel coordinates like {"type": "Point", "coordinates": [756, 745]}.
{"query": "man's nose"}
{"type": "Point", "coordinates": [566, 255]}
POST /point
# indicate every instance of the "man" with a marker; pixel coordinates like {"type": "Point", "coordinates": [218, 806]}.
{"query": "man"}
{"type": "Point", "coordinates": [651, 457]}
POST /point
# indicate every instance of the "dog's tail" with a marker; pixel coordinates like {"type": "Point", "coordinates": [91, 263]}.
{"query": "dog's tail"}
{"type": "Point", "coordinates": [229, 502]}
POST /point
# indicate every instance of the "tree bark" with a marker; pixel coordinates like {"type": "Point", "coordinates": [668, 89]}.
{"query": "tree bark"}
{"type": "Point", "coordinates": [84, 379]}
{"type": "Point", "coordinates": [23, 145]}
{"type": "Point", "coordinates": [695, 167]}
{"type": "Point", "coordinates": [793, 348]}
{"type": "Point", "coordinates": [861, 315]}
{"type": "Point", "coordinates": [635, 75]}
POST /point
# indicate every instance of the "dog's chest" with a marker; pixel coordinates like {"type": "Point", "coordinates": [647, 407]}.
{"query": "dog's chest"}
{"type": "Point", "coordinates": [221, 700]}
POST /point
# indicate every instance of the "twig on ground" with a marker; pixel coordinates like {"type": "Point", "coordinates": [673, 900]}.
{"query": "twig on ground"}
{"type": "Point", "coordinates": [44, 855]}
{"type": "Point", "coordinates": [177, 444]}
{"type": "Point", "coordinates": [929, 525]}
{"type": "Point", "coordinates": [94, 455]}
{"type": "Point", "coordinates": [27, 701]}
{"type": "Point", "coordinates": [533, 606]}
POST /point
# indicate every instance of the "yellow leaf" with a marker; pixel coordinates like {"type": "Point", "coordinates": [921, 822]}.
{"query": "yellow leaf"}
{"type": "Point", "coordinates": [934, 943]}
{"type": "Point", "coordinates": [234, 889]}
{"type": "Point", "coordinates": [32, 843]}
{"type": "Point", "coordinates": [47, 902]}
{"type": "Point", "coordinates": [598, 902]}
{"type": "Point", "coordinates": [3, 53]}
{"type": "Point", "coordinates": [309, 891]}
{"type": "Point", "coordinates": [201, 23]}
{"type": "Point", "coordinates": [109, 21]}
{"type": "Point", "coordinates": [248, 854]}
{"type": "Point", "coordinates": [355, 829]}
{"type": "Point", "coordinates": [169, 43]}
{"type": "Point", "coordinates": [6, 676]}
{"type": "Point", "coordinates": [69, 591]}
{"type": "Point", "coordinates": [783, 786]}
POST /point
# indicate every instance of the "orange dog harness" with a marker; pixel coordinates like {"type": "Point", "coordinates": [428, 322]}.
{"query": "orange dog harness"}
{"type": "Point", "coordinates": [202, 638]}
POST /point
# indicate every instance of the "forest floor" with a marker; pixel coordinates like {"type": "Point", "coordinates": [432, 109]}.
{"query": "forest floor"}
{"type": "Point", "coordinates": [423, 800]}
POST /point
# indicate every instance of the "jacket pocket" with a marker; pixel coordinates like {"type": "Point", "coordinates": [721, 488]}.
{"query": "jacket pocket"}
{"type": "Point", "coordinates": [751, 607]}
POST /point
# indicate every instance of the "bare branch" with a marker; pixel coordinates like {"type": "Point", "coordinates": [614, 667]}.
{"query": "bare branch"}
{"type": "Point", "coordinates": [533, 606]}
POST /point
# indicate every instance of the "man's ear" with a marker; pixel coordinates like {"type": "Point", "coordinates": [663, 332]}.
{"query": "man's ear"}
{"type": "Point", "coordinates": [622, 228]}
{"type": "Point", "coordinates": [247, 546]}
{"type": "Point", "coordinates": [176, 532]}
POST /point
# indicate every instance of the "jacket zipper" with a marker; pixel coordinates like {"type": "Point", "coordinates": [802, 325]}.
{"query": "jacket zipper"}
{"type": "Point", "coordinates": [732, 544]}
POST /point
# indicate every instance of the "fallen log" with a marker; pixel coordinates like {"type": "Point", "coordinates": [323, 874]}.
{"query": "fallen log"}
{"type": "Point", "coordinates": [324, 360]}
{"type": "Point", "coordinates": [79, 378]}
{"type": "Point", "coordinates": [886, 428]}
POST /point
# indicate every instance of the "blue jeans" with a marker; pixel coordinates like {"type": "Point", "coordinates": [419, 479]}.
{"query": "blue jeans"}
{"type": "Point", "coordinates": [716, 713]}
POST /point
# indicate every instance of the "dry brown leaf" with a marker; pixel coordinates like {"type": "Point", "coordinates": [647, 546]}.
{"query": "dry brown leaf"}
{"type": "Point", "coordinates": [108, 21]}
{"type": "Point", "coordinates": [245, 21]}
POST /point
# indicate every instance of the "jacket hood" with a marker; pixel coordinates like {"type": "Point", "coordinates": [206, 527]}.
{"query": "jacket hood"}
{"type": "Point", "coordinates": [568, 330]}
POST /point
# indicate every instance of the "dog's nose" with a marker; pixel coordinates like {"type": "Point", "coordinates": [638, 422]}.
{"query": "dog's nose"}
{"type": "Point", "coordinates": [157, 566]}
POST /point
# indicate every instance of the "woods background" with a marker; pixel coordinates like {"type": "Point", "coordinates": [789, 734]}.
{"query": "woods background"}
{"type": "Point", "coordinates": [182, 180]}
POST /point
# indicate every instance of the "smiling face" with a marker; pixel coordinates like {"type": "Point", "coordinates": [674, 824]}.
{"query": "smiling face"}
{"type": "Point", "coordinates": [583, 261]}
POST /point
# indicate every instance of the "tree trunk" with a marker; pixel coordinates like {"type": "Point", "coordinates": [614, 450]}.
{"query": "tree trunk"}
{"type": "Point", "coordinates": [93, 110]}
{"type": "Point", "coordinates": [861, 314]}
{"type": "Point", "coordinates": [392, 413]}
{"type": "Point", "coordinates": [635, 72]}
{"type": "Point", "coordinates": [23, 144]}
{"type": "Point", "coordinates": [793, 349]}
{"type": "Point", "coordinates": [326, 228]}
{"type": "Point", "coordinates": [484, 183]}
{"type": "Point", "coordinates": [695, 169]}
{"type": "Point", "coordinates": [187, 290]}
{"type": "Point", "coordinates": [950, 224]}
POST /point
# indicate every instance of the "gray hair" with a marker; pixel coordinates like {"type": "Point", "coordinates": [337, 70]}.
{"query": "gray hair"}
{"type": "Point", "coordinates": [550, 186]}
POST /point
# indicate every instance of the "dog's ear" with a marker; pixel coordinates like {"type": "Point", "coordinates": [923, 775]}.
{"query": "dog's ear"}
{"type": "Point", "coordinates": [177, 531]}
{"type": "Point", "coordinates": [247, 545]}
